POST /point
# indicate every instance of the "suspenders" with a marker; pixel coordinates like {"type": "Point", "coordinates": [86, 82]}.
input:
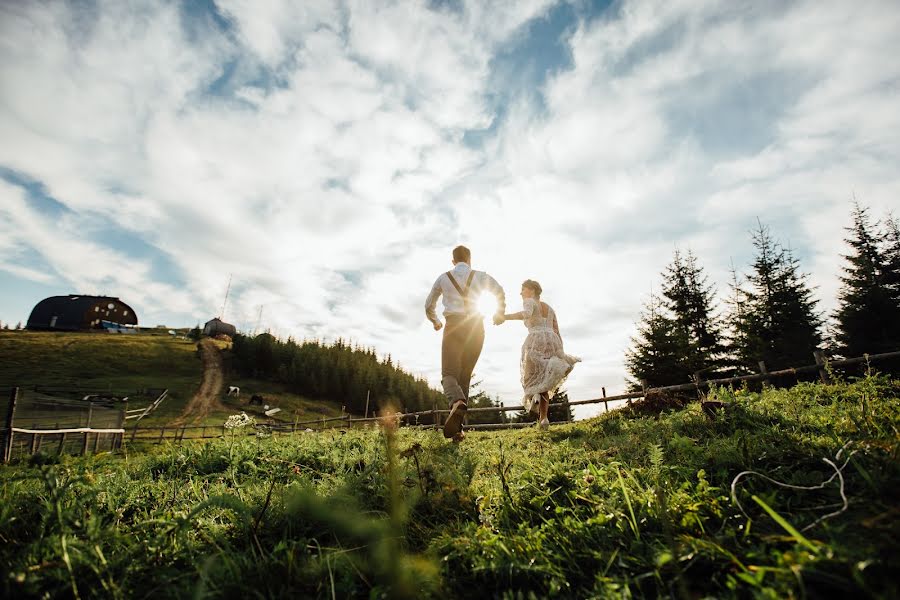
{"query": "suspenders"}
{"type": "Point", "coordinates": [464, 292]}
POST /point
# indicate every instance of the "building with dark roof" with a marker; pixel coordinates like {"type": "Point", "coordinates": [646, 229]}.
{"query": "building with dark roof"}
{"type": "Point", "coordinates": [79, 313]}
{"type": "Point", "coordinates": [217, 326]}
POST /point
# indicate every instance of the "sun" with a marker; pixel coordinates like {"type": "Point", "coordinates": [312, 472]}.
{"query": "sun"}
{"type": "Point", "coordinates": [487, 304]}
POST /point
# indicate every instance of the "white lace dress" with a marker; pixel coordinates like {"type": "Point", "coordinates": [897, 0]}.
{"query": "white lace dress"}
{"type": "Point", "coordinates": [544, 364]}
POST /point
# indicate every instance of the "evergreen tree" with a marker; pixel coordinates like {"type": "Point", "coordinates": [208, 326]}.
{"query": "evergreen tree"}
{"type": "Point", "coordinates": [659, 354]}
{"type": "Point", "coordinates": [775, 321]}
{"type": "Point", "coordinates": [868, 316]}
{"type": "Point", "coordinates": [690, 300]}
{"type": "Point", "coordinates": [19, 326]}
{"type": "Point", "coordinates": [891, 240]}
{"type": "Point", "coordinates": [679, 334]}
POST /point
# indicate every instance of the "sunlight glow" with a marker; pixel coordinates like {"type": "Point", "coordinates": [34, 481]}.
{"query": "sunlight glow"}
{"type": "Point", "coordinates": [487, 304]}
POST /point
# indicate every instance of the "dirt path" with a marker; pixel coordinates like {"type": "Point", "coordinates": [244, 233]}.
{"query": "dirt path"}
{"type": "Point", "coordinates": [207, 398]}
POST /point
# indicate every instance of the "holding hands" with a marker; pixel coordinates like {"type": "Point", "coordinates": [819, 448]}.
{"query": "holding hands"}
{"type": "Point", "coordinates": [499, 318]}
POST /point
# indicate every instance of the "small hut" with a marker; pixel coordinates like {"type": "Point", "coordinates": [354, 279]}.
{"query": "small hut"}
{"type": "Point", "coordinates": [79, 313]}
{"type": "Point", "coordinates": [217, 326]}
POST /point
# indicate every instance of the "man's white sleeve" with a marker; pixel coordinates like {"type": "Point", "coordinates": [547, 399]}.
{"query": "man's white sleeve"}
{"type": "Point", "coordinates": [431, 301]}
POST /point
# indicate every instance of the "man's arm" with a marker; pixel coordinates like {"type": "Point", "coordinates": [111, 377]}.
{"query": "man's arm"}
{"type": "Point", "coordinates": [431, 303]}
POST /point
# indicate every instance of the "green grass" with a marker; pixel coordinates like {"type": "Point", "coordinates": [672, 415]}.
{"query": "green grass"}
{"type": "Point", "coordinates": [127, 363]}
{"type": "Point", "coordinates": [615, 507]}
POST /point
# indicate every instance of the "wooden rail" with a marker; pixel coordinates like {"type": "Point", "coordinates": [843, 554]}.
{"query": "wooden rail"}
{"type": "Point", "coordinates": [178, 432]}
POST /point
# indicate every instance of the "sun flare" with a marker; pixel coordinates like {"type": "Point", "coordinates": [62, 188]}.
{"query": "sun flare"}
{"type": "Point", "coordinates": [487, 304]}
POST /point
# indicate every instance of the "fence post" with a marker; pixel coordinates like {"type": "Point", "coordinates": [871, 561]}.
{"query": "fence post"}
{"type": "Point", "coordinates": [10, 416]}
{"type": "Point", "coordinates": [133, 433]}
{"type": "Point", "coordinates": [434, 415]}
{"type": "Point", "coordinates": [34, 443]}
{"type": "Point", "coordinates": [762, 368]}
{"type": "Point", "coordinates": [84, 444]}
{"type": "Point", "coordinates": [820, 360]}
{"type": "Point", "coordinates": [643, 390]}
{"type": "Point", "coordinates": [605, 403]}
{"type": "Point", "coordinates": [96, 443]}
{"type": "Point", "coordinates": [62, 444]}
{"type": "Point", "coordinates": [162, 432]}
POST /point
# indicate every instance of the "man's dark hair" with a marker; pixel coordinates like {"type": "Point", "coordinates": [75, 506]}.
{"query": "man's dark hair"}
{"type": "Point", "coordinates": [462, 254]}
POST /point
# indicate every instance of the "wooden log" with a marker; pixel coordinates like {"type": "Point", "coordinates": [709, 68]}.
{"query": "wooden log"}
{"type": "Point", "coordinates": [10, 418]}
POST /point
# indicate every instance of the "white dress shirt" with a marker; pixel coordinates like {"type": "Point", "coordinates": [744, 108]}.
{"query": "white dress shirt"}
{"type": "Point", "coordinates": [453, 301]}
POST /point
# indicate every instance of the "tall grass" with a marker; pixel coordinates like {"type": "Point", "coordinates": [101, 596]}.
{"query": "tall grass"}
{"type": "Point", "coordinates": [617, 506]}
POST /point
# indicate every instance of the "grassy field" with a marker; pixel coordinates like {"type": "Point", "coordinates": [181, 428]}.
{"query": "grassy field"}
{"type": "Point", "coordinates": [127, 363]}
{"type": "Point", "coordinates": [616, 507]}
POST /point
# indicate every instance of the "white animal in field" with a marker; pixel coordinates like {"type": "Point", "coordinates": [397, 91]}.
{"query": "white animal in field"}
{"type": "Point", "coordinates": [233, 390]}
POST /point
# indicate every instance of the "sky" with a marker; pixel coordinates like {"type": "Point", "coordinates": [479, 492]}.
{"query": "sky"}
{"type": "Point", "coordinates": [327, 156]}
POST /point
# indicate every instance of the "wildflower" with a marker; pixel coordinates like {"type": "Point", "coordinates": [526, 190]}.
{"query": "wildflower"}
{"type": "Point", "coordinates": [239, 421]}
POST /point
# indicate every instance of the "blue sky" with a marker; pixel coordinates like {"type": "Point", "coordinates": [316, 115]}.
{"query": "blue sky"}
{"type": "Point", "coordinates": [327, 157]}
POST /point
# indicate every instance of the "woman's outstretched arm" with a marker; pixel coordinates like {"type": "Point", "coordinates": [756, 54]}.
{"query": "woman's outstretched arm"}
{"type": "Point", "coordinates": [514, 316]}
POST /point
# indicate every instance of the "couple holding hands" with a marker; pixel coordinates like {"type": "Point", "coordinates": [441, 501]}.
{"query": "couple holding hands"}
{"type": "Point", "coordinates": [543, 364]}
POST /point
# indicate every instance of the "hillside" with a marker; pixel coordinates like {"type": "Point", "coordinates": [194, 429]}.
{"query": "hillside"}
{"type": "Point", "coordinates": [126, 364]}
{"type": "Point", "coordinates": [617, 506]}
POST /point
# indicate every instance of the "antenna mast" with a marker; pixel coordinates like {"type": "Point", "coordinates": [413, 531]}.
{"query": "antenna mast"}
{"type": "Point", "coordinates": [258, 319]}
{"type": "Point", "coordinates": [228, 289]}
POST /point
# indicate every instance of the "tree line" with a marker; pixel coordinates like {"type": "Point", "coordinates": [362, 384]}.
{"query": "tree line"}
{"type": "Point", "coordinates": [339, 371]}
{"type": "Point", "coordinates": [771, 315]}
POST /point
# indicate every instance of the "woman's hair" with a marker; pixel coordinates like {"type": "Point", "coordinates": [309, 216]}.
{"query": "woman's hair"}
{"type": "Point", "coordinates": [534, 286]}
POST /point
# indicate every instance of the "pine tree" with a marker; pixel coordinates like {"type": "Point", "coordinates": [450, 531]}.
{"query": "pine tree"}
{"type": "Point", "coordinates": [775, 321]}
{"type": "Point", "coordinates": [659, 354]}
{"type": "Point", "coordinates": [690, 300]}
{"type": "Point", "coordinates": [679, 334]}
{"type": "Point", "coordinates": [891, 242]}
{"type": "Point", "coordinates": [868, 316]}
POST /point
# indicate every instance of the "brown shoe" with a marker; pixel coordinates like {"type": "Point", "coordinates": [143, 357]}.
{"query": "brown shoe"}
{"type": "Point", "coordinates": [453, 426]}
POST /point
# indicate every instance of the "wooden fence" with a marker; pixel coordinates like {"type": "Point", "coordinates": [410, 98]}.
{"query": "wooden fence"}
{"type": "Point", "coordinates": [435, 415]}
{"type": "Point", "coordinates": [38, 422]}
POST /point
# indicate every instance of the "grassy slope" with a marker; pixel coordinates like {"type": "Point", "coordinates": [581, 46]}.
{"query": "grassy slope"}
{"type": "Point", "coordinates": [617, 506]}
{"type": "Point", "coordinates": [126, 363]}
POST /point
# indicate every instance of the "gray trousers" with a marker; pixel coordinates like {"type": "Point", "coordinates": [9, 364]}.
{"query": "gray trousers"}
{"type": "Point", "coordinates": [460, 349]}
